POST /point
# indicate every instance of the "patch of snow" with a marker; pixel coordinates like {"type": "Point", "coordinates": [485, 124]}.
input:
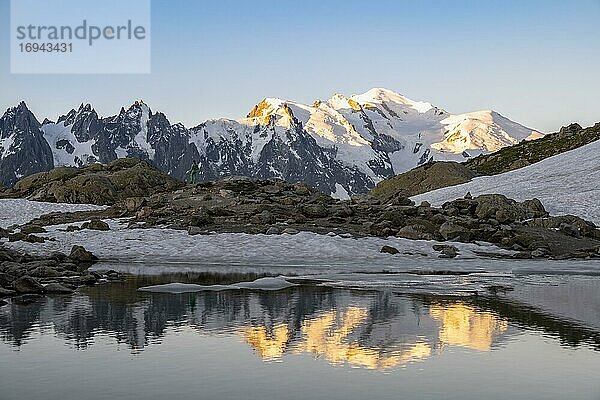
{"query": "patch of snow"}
{"type": "Point", "coordinates": [568, 183]}
{"type": "Point", "coordinates": [141, 138]}
{"type": "Point", "coordinates": [57, 132]}
{"type": "Point", "coordinates": [6, 145]}
{"type": "Point", "coordinates": [340, 193]}
{"type": "Point", "coordinates": [20, 211]}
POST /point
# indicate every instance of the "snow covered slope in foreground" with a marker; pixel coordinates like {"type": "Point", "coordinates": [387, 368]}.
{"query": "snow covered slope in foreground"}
{"type": "Point", "coordinates": [568, 183]}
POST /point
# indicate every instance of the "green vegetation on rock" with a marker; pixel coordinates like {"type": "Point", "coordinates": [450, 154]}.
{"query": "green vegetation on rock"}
{"type": "Point", "coordinates": [530, 152]}
{"type": "Point", "coordinates": [96, 184]}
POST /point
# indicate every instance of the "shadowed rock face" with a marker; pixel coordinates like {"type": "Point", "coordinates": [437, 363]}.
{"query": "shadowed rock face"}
{"type": "Point", "coordinates": [23, 149]}
{"type": "Point", "coordinates": [96, 184]}
{"type": "Point", "coordinates": [423, 179]}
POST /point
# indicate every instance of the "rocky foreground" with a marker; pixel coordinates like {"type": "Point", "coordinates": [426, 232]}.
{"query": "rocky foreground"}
{"type": "Point", "coordinates": [239, 204]}
{"type": "Point", "coordinates": [28, 277]}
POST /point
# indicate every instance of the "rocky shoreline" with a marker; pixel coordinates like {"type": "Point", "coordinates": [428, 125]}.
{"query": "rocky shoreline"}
{"type": "Point", "coordinates": [25, 277]}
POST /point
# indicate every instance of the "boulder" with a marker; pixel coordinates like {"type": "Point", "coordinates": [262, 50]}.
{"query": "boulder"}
{"type": "Point", "coordinates": [447, 251]}
{"type": "Point", "coordinates": [453, 231]}
{"type": "Point", "coordinates": [96, 225]}
{"type": "Point", "coordinates": [389, 250]}
{"type": "Point", "coordinates": [6, 292]}
{"type": "Point", "coordinates": [28, 229]}
{"type": "Point", "coordinates": [27, 284]}
{"type": "Point", "coordinates": [79, 253]}
{"type": "Point", "coordinates": [17, 237]}
{"type": "Point", "coordinates": [273, 230]}
{"type": "Point", "coordinates": [6, 280]}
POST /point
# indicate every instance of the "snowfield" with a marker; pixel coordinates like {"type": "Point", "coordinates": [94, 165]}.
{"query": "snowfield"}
{"type": "Point", "coordinates": [568, 183]}
{"type": "Point", "coordinates": [20, 211]}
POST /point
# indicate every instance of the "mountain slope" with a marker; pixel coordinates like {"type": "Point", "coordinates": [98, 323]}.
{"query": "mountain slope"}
{"type": "Point", "coordinates": [23, 150]}
{"type": "Point", "coordinates": [342, 146]}
{"type": "Point", "coordinates": [568, 183]}
{"type": "Point", "coordinates": [527, 153]}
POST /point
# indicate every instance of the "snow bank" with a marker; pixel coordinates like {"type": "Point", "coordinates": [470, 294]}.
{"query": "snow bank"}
{"type": "Point", "coordinates": [20, 211]}
{"type": "Point", "coordinates": [568, 183]}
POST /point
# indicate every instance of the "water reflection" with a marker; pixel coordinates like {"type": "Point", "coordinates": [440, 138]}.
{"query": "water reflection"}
{"type": "Point", "coordinates": [374, 330]}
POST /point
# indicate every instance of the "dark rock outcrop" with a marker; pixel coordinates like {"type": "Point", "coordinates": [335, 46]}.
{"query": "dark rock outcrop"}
{"type": "Point", "coordinates": [56, 273]}
{"type": "Point", "coordinates": [96, 184]}
{"type": "Point", "coordinates": [23, 149]}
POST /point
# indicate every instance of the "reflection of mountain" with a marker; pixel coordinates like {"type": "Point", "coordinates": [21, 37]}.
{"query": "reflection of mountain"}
{"type": "Point", "coordinates": [465, 326]}
{"type": "Point", "coordinates": [370, 330]}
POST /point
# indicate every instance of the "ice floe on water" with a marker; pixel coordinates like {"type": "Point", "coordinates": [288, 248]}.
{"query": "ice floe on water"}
{"type": "Point", "coordinates": [268, 283]}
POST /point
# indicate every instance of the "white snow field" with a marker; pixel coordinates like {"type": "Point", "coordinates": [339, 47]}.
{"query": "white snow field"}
{"type": "Point", "coordinates": [568, 183]}
{"type": "Point", "coordinates": [20, 211]}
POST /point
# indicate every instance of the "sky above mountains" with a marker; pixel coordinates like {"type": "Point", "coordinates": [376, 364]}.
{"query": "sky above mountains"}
{"type": "Point", "coordinates": [535, 62]}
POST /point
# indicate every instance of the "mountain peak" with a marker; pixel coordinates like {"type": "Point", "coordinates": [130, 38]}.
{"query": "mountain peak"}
{"type": "Point", "coordinates": [266, 107]}
{"type": "Point", "coordinates": [382, 95]}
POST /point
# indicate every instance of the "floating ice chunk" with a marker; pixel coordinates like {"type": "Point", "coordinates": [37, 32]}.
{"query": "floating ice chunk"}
{"type": "Point", "coordinates": [259, 284]}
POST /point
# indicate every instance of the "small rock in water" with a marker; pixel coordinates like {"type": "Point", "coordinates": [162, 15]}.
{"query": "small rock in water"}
{"type": "Point", "coordinates": [16, 237]}
{"type": "Point", "coordinates": [447, 251]}
{"type": "Point", "coordinates": [57, 288]}
{"type": "Point", "coordinates": [6, 292]}
{"type": "Point", "coordinates": [26, 299]}
{"type": "Point", "coordinates": [389, 250]}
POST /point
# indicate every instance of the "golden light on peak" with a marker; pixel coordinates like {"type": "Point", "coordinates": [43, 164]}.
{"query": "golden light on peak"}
{"type": "Point", "coordinates": [465, 326]}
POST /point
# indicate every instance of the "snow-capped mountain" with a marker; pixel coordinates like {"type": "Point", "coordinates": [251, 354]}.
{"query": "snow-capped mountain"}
{"type": "Point", "coordinates": [23, 150]}
{"type": "Point", "coordinates": [342, 146]}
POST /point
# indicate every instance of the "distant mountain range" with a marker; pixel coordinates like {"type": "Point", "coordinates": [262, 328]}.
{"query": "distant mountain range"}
{"type": "Point", "coordinates": [342, 146]}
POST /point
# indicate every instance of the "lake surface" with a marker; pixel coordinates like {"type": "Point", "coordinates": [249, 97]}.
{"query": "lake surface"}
{"type": "Point", "coordinates": [307, 342]}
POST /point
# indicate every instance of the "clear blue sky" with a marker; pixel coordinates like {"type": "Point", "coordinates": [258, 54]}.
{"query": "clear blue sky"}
{"type": "Point", "coordinates": [536, 62]}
